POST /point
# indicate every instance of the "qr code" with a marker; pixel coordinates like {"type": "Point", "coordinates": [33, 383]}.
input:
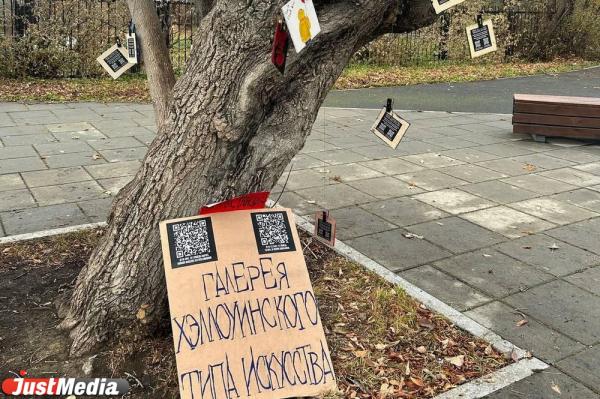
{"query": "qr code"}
{"type": "Point", "coordinates": [272, 229]}
{"type": "Point", "coordinates": [191, 242]}
{"type": "Point", "coordinates": [191, 239]}
{"type": "Point", "coordinates": [272, 232]}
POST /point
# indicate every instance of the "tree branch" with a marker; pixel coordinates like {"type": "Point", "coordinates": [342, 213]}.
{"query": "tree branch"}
{"type": "Point", "coordinates": [159, 69]}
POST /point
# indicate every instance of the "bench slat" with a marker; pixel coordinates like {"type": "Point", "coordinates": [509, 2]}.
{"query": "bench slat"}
{"type": "Point", "coordinates": [557, 131]}
{"type": "Point", "coordinates": [557, 120]}
{"type": "Point", "coordinates": [557, 109]}
{"type": "Point", "coordinates": [533, 98]}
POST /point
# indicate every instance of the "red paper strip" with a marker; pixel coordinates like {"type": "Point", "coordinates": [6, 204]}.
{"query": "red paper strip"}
{"type": "Point", "coordinates": [244, 202]}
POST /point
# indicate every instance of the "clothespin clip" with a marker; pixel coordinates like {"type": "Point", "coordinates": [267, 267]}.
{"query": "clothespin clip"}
{"type": "Point", "coordinates": [131, 27]}
{"type": "Point", "coordinates": [389, 106]}
{"type": "Point", "coordinates": [480, 19]}
{"type": "Point", "coordinates": [118, 42]}
{"type": "Point", "coordinates": [325, 213]}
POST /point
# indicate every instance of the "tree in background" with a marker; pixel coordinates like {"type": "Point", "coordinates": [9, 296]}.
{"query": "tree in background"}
{"type": "Point", "coordinates": [229, 126]}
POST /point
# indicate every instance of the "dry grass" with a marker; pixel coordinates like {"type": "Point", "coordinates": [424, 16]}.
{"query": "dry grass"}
{"type": "Point", "coordinates": [360, 76]}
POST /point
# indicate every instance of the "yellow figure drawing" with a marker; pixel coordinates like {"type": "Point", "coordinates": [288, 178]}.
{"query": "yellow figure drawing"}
{"type": "Point", "coordinates": [304, 26]}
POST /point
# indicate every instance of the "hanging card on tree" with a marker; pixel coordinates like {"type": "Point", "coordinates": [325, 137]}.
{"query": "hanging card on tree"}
{"type": "Point", "coordinates": [302, 22]}
{"type": "Point", "coordinates": [281, 43]}
{"type": "Point", "coordinates": [482, 39]}
{"type": "Point", "coordinates": [325, 227]}
{"type": "Point", "coordinates": [115, 60]}
{"type": "Point", "coordinates": [389, 127]}
{"type": "Point", "coordinates": [442, 5]}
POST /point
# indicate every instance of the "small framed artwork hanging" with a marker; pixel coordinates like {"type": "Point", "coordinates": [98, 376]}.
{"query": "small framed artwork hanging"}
{"type": "Point", "coordinates": [442, 5]}
{"type": "Point", "coordinates": [389, 127]}
{"type": "Point", "coordinates": [482, 39]}
{"type": "Point", "coordinates": [115, 60]}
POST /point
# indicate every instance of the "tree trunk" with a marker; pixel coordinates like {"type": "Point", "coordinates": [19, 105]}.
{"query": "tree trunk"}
{"type": "Point", "coordinates": [234, 125]}
{"type": "Point", "coordinates": [155, 54]}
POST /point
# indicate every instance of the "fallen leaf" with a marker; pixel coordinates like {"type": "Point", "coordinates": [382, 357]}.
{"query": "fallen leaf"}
{"type": "Point", "coordinates": [380, 346]}
{"type": "Point", "coordinates": [426, 323]}
{"type": "Point", "coordinates": [556, 388]}
{"type": "Point", "coordinates": [410, 236]}
{"type": "Point", "coordinates": [417, 381]}
{"type": "Point", "coordinates": [554, 247]}
{"type": "Point", "coordinates": [488, 350]}
{"type": "Point", "coordinates": [522, 322]}
{"type": "Point", "coordinates": [457, 361]}
{"type": "Point", "coordinates": [360, 354]}
{"type": "Point", "coordinates": [421, 349]}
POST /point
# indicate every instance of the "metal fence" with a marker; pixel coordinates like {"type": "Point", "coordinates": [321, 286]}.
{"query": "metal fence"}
{"type": "Point", "coordinates": [92, 25]}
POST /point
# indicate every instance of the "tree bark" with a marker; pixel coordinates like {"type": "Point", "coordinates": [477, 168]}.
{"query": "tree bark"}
{"type": "Point", "coordinates": [234, 126]}
{"type": "Point", "coordinates": [157, 61]}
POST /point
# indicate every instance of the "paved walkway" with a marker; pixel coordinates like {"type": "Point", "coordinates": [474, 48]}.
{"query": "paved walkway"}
{"type": "Point", "coordinates": [503, 228]}
{"type": "Point", "coordinates": [486, 96]}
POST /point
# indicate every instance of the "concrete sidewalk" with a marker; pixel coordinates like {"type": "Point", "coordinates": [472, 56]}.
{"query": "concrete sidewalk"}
{"type": "Point", "coordinates": [497, 226]}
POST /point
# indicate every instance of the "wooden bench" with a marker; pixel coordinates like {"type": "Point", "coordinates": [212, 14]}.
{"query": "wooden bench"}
{"type": "Point", "coordinates": [556, 116]}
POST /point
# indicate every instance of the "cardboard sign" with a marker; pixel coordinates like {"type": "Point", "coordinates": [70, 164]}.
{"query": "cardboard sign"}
{"type": "Point", "coordinates": [244, 316]}
{"type": "Point", "coordinates": [482, 39]}
{"type": "Point", "coordinates": [302, 22]}
{"type": "Point", "coordinates": [325, 227]}
{"type": "Point", "coordinates": [390, 128]}
{"type": "Point", "coordinates": [442, 5]}
{"type": "Point", "coordinates": [115, 61]}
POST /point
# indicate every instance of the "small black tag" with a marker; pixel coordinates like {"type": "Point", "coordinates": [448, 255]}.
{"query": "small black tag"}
{"type": "Point", "coordinates": [481, 38]}
{"type": "Point", "coordinates": [191, 242]}
{"type": "Point", "coordinates": [272, 232]}
{"type": "Point", "coordinates": [324, 230]}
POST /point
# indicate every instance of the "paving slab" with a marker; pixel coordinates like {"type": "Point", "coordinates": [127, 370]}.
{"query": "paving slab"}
{"type": "Point", "coordinates": [348, 173]}
{"type": "Point", "coordinates": [431, 180]}
{"type": "Point", "coordinates": [584, 366]}
{"type": "Point", "coordinates": [20, 151]}
{"type": "Point", "coordinates": [335, 196]}
{"type": "Point", "coordinates": [583, 234]}
{"type": "Point", "coordinates": [377, 152]}
{"type": "Point", "coordinates": [96, 210]}
{"type": "Point", "coordinates": [11, 182]}
{"type": "Point", "coordinates": [593, 168]}
{"type": "Point", "coordinates": [539, 184]}
{"type": "Point", "coordinates": [397, 252]}
{"type": "Point", "coordinates": [404, 211]}
{"type": "Point", "coordinates": [392, 166]}
{"type": "Point", "coordinates": [588, 279]}
{"type": "Point", "coordinates": [124, 154]}
{"type": "Point", "coordinates": [61, 148]}
{"type": "Point", "coordinates": [545, 384]}
{"type": "Point", "coordinates": [16, 199]}
{"type": "Point", "coordinates": [583, 198]}
{"type": "Point", "coordinates": [28, 140]}
{"type": "Point", "coordinates": [301, 205]}
{"type": "Point", "coordinates": [114, 143]}
{"type": "Point", "coordinates": [508, 222]}
{"type": "Point", "coordinates": [73, 159]}
{"type": "Point", "coordinates": [574, 155]}
{"type": "Point", "coordinates": [573, 176]}
{"type": "Point", "coordinates": [299, 179]}
{"type": "Point", "coordinates": [543, 161]}
{"type": "Point", "coordinates": [54, 177]}
{"type": "Point", "coordinates": [492, 272]}
{"type": "Point", "coordinates": [506, 166]}
{"type": "Point", "coordinates": [537, 250]}
{"type": "Point", "coordinates": [564, 308]}
{"type": "Point", "coordinates": [70, 127]}
{"type": "Point", "coordinates": [472, 173]}
{"type": "Point", "coordinates": [540, 340]}
{"type": "Point", "coordinates": [114, 184]}
{"type": "Point", "coordinates": [445, 287]}
{"type": "Point", "coordinates": [456, 235]}
{"type": "Point", "coordinates": [24, 130]}
{"type": "Point", "coordinates": [553, 210]}
{"type": "Point", "coordinates": [498, 191]}
{"type": "Point", "coordinates": [385, 187]}
{"type": "Point", "coordinates": [454, 201]}
{"type": "Point", "coordinates": [43, 218]}
{"type": "Point", "coordinates": [21, 165]}
{"type": "Point", "coordinates": [114, 169]}
{"type": "Point", "coordinates": [71, 192]}
{"type": "Point", "coordinates": [470, 155]}
{"type": "Point", "coordinates": [419, 147]}
{"type": "Point", "coordinates": [355, 222]}
{"type": "Point", "coordinates": [432, 160]}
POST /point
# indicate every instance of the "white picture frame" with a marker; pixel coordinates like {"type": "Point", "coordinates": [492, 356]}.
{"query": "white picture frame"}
{"type": "Point", "coordinates": [115, 61]}
{"type": "Point", "coordinates": [442, 5]}
{"type": "Point", "coordinates": [473, 47]}
{"type": "Point", "coordinates": [302, 22]}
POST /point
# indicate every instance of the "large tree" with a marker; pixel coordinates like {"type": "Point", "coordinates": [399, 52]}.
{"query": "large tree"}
{"type": "Point", "coordinates": [229, 126]}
